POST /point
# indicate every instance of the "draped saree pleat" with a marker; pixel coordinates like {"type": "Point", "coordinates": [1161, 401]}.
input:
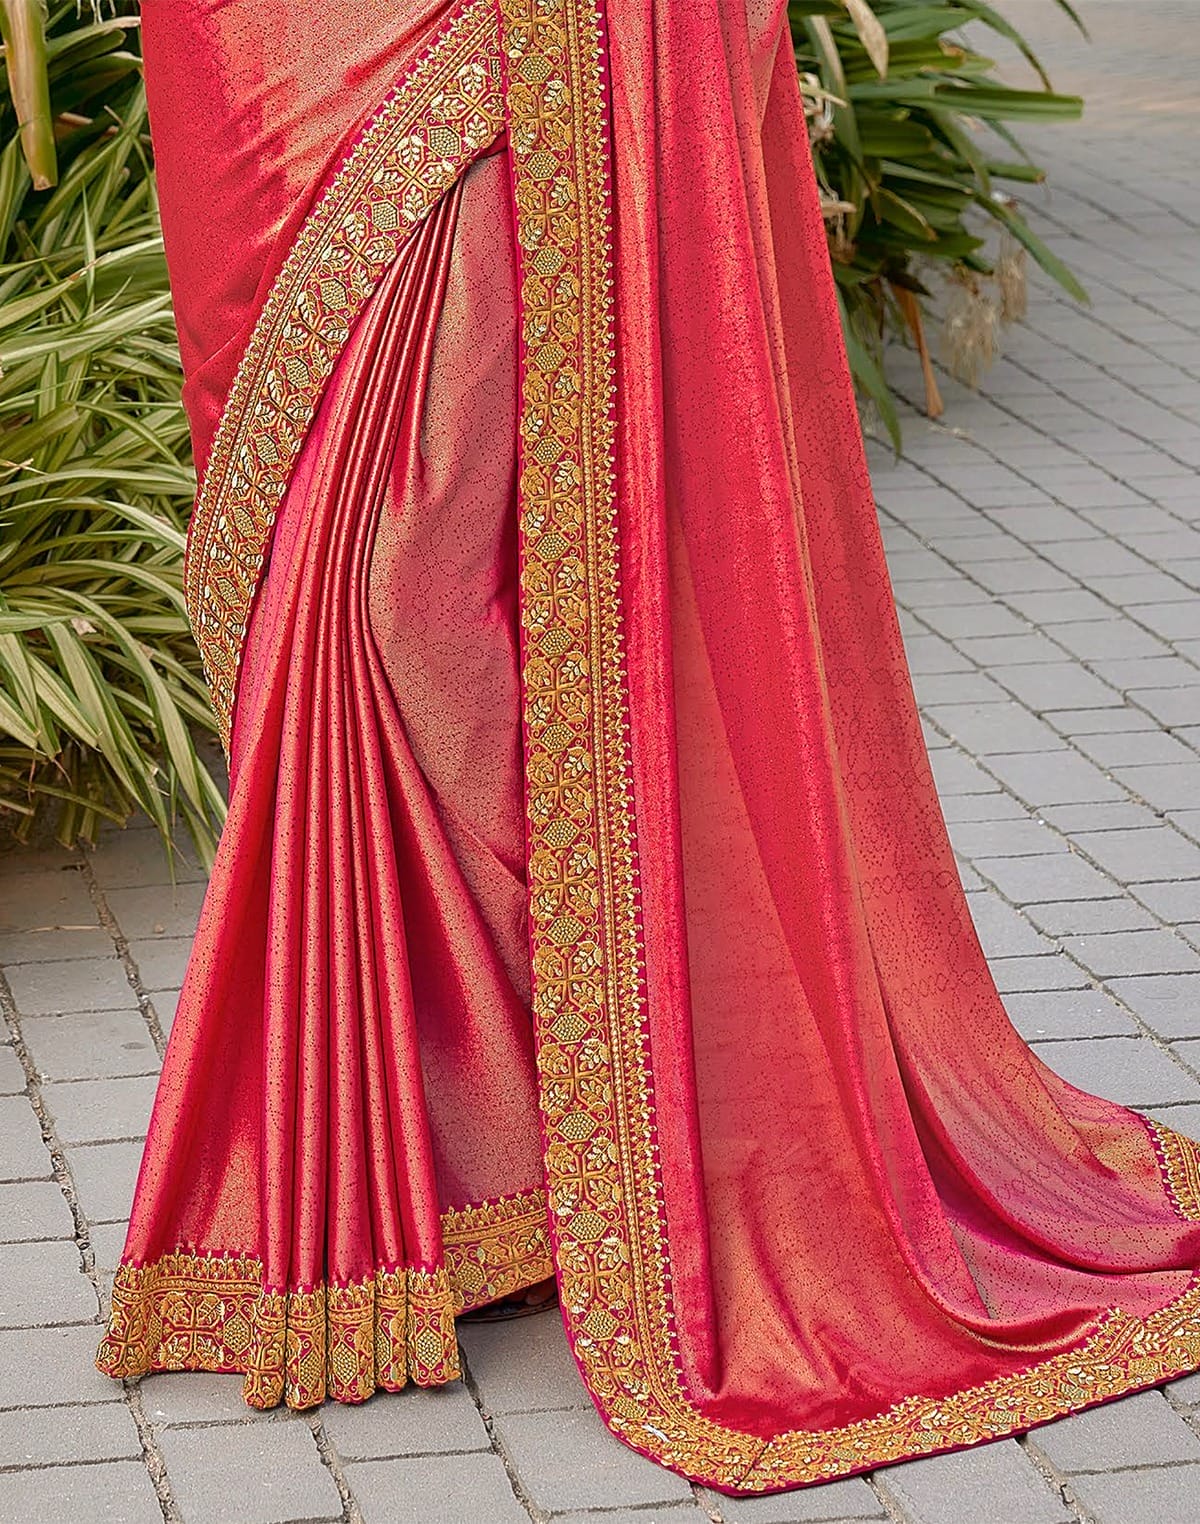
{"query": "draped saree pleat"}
{"type": "Point", "coordinates": [585, 901]}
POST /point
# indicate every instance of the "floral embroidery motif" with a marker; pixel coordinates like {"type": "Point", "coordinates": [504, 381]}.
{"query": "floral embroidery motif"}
{"type": "Point", "coordinates": [496, 1249]}
{"type": "Point", "coordinates": [1179, 1158]}
{"type": "Point", "coordinates": [191, 1311]}
{"type": "Point", "coordinates": [442, 115]}
{"type": "Point", "coordinates": [606, 1206]}
{"type": "Point", "coordinates": [606, 1203]}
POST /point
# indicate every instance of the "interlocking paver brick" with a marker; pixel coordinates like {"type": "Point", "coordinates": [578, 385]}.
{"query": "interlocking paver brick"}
{"type": "Point", "coordinates": [1052, 972]}
{"type": "Point", "coordinates": [12, 1075]}
{"type": "Point", "coordinates": [1072, 606]}
{"type": "Point", "coordinates": [1142, 855]}
{"type": "Point", "coordinates": [661, 1513]}
{"type": "Point", "coordinates": [1143, 1430]}
{"type": "Point", "coordinates": [52, 1366]}
{"type": "Point", "coordinates": [851, 1498]}
{"type": "Point", "coordinates": [1023, 837]}
{"type": "Point", "coordinates": [1053, 876]}
{"type": "Point", "coordinates": [86, 984]}
{"type": "Point", "coordinates": [49, 944]}
{"type": "Point", "coordinates": [444, 1489]}
{"type": "Point", "coordinates": [1003, 931]}
{"type": "Point", "coordinates": [1056, 684]}
{"type": "Point", "coordinates": [23, 1154]}
{"type": "Point", "coordinates": [107, 1240]}
{"type": "Point", "coordinates": [1168, 1003]}
{"type": "Point", "coordinates": [182, 1398]}
{"type": "Point", "coordinates": [1133, 952]}
{"type": "Point", "coordinates": [956, 773]}
{"type": "Point", "coordinates": [160, 961]}
{"type": "Point", "coordinates": [1000, 654]}
{"type": "Point", "coordinates": [1053, 777]}
{"type": "Point", "coordinates": [1172, 786]}
{"type": "Point", "coordinates": [996, 806]}
{"type": "Point", "coordinates": [105, 1174]}
{"type": "Point", "coordinates": [1058, 1014]}
{"type": "Point", "coordinates": [995, 729]}
{"type": "Point", "coordinates": [1173, 707]}
{"type": "Point", "coordinates": [90, 1045]}
{"type": "Point", "coordinates": [255, 1473]}
{"type": "Point", "coordinates": [45, 901]}
{"type": "Point", "coordinates": [159, 911]}
{"type": "Point", "coordinates": [100, 1110]}
{"type": "Point", "coordinates": [1119, 815]}
{"type": "Point", "coordinates": [524, 1364]}
{"type": "Point", "coordinates": [572, 1461]}
{"type": "Point", "coordinates": [34, 1209]}
{"type": "Point", "coordinates": [44, 1283]}
{"type": "Point", "coordinates": [1159, 1495]}
{"type": "Point", "coordinates": [1134, 748]}
{"type": "Point", "coordinates": [1130, 1070]}
{"type": "Point", "coordinates": [114, 1492]}
{"type": "Point", "coordinates": [1132, 675]}
{"type": "Point", "coordinates": [413, 1422]}
{"type": "Point", "coordinates": [54, 1436]}
{"type": "Point", "coordinates": [996, 1482]}
{"type": "Point", "coordinates": [1067, 918]}
{"type": "Point", "coordinates": [1103, 639]}
{"type": "Point", "coordinates": [165, 1003]}
{"type": "Point", "coordinates": [134, 857]}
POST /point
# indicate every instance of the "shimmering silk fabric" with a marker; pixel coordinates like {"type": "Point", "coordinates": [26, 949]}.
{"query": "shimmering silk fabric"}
{"type": "Point", "coordinates": [883, 1226]}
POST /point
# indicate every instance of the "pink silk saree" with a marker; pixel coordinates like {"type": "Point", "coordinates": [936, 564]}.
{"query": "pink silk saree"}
{"type": "Point", "coordinates": [585, 903]}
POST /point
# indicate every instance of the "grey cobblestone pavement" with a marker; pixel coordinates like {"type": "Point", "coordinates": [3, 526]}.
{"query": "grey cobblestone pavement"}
{"type": "Point", "coordinates": [1046, 553]}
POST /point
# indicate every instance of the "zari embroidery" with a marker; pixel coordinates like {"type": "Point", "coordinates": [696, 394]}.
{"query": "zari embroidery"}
{"type": "Point", "coordinates": [594, 1070]}
{"type": "Point", "coordinates": [496, 1249]}
{"type": "Point", "coordinates": [444, 113]}
{"type": "Point", "coordinates": [190, 1311]}
{"type": "Point", "coordinates": [1179, 1158]}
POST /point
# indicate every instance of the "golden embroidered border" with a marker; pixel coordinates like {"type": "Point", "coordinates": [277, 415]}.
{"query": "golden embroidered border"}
{"type": "Point", "coordinates": [441, 116]}
{"type": "Point", "coordinates": [1179, 1158]}
{"type": "Point", "coordinates": [594, 1071]}
{"type": "Point", "coordinates": [193, 1311]}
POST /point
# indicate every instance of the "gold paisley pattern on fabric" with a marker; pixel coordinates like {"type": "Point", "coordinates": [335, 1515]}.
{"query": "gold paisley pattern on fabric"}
{"type": "Point", "coordinates": [594, 1070]}
{"type": "Point", "coordinates": [442, 115]}
{"type": "Point", "coordinates": [190, 1311]}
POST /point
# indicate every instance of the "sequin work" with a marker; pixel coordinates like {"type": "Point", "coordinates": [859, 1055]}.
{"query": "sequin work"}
{"type": "Point", "coordinates": [190, 1311]}
{"type": "Point", "coordinates": [606, 1202]}
{"type": "Point", "coordinates": [757, 999]}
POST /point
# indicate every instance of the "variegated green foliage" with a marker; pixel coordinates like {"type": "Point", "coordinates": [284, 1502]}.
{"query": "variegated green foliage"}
{"type": "Point", "coordinates": [101, 698]}
{"type": "Point", "coordinates": [914, 150]}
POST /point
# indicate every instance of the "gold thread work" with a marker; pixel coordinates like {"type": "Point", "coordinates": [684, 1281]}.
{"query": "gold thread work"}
{"type": "Point", "coordinates": [605, 1194]}
{"type": "Point", "coordinates": [594, 1069]}
{"type": "Point", "coordinates": [193, 1311]}
{"type": "Point", "coordinates": [444, 113]}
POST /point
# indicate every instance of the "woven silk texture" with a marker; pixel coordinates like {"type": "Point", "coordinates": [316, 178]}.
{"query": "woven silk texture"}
{"type": "Point", "coordinates": [585, 904]}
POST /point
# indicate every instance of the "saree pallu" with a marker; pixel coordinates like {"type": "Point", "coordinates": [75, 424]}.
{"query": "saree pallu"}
{"type": "Point", "coordinates": [585, 903]}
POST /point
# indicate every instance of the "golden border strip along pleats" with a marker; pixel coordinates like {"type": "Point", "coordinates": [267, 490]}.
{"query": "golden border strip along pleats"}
{"type": "Point", "coordinates": [441, 116]}
{"type": "Point", "coordinates": [595, 1079]}
{"type": "Point", "coordinates": [193, 1311]}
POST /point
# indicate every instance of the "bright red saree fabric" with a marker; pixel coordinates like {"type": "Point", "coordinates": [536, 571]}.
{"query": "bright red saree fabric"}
{"type": "Point", "coordinates": [575, 767]}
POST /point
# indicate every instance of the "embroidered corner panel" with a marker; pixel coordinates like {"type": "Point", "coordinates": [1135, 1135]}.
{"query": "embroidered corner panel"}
{"type": "Point", "coordinates": [441, 116]}
{"type": "Point", "coordinates": [606, 1202]}
{"type": "Point", "coordinates": [191, 1311]}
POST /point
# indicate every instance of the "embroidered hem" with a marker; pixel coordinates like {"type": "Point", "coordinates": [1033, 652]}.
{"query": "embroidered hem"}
{"type": "Point", "coordinates": [212, 1312]}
